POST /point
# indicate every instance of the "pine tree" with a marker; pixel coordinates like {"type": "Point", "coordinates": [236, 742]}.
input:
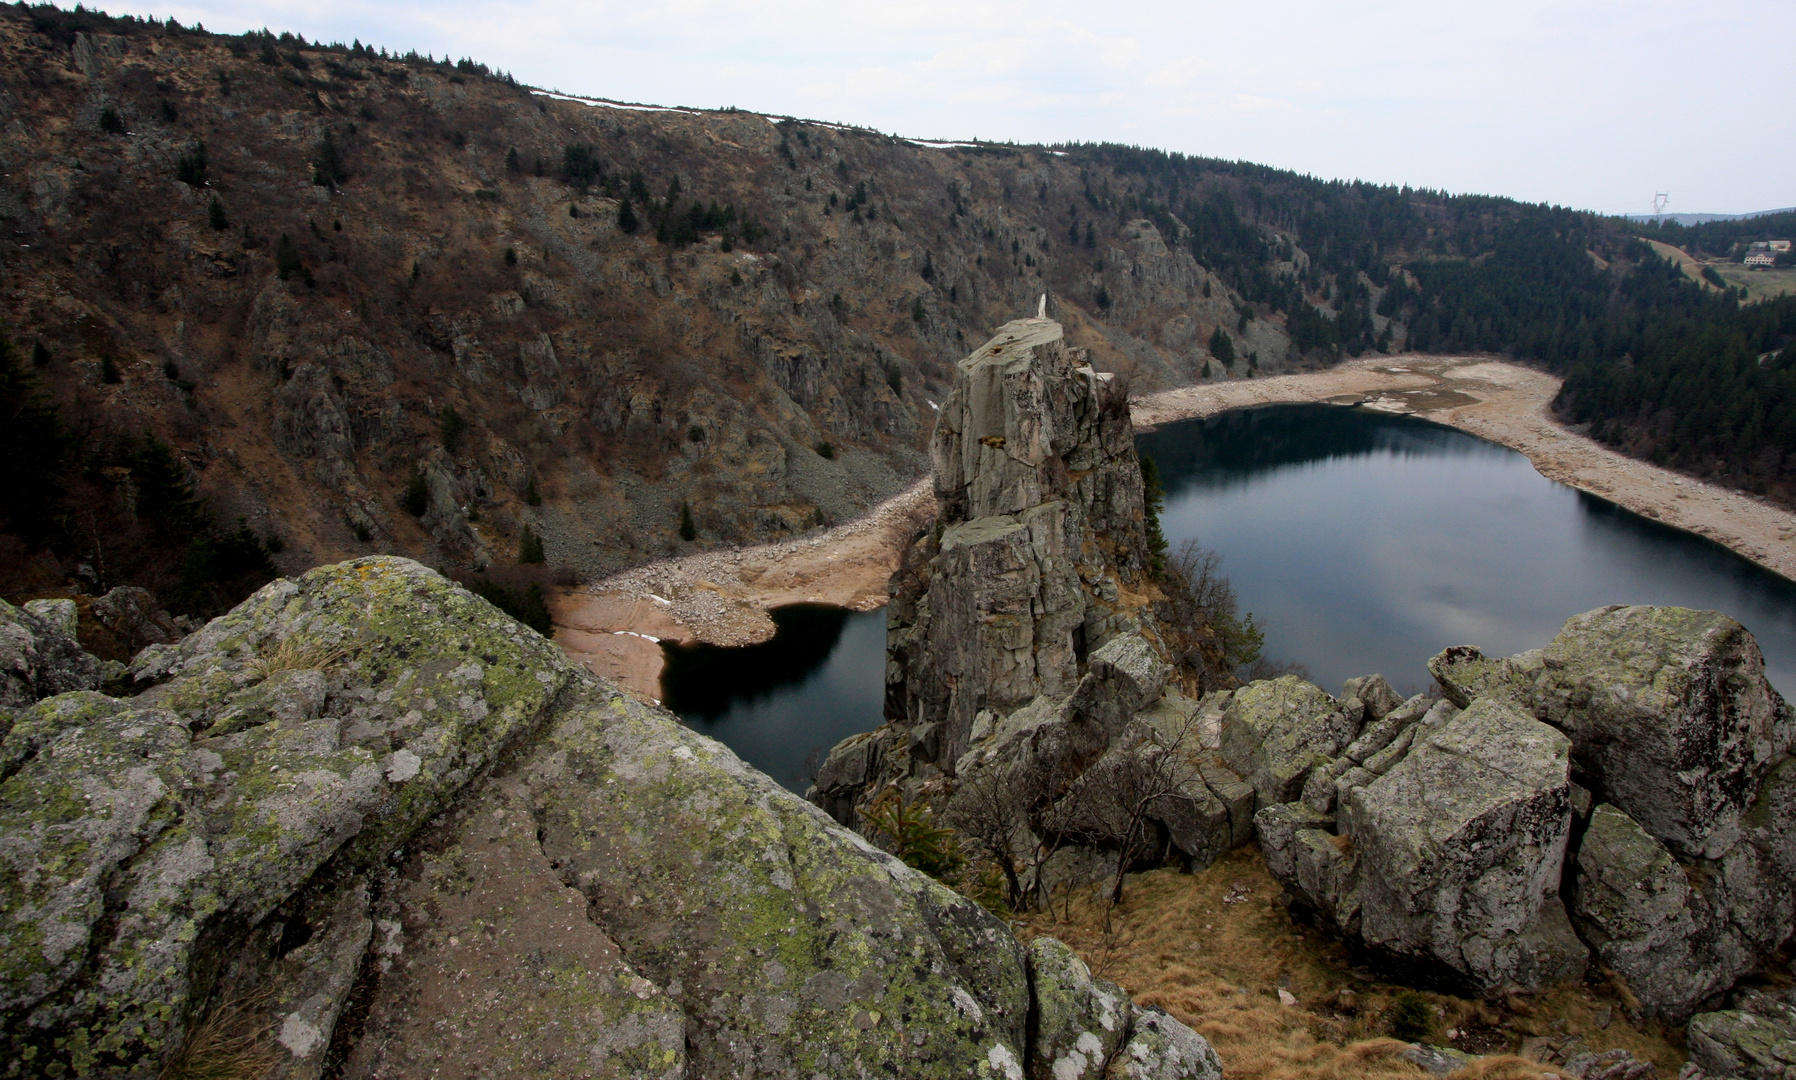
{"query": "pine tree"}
{"type": "Point", "coordinates": [32, 448]}
{"type": "Point", "coordinates": [328, 167]}
{"type": "Point", "coordinates": [688, 530]}
{"type": "Point", "coordinates": [1222, 347]}
{"type": "Point", "coordinates": [450, 426]}
{"type": "Point", "coordinates": [215, 215]}
{"type": "Point", "coordinates": [416, 498]}
{"type": "Point", "coordinates": [190, 168]}
{"type": "Point", "coordinates": [286, 258]}
{"type": "Point", "coordinates": [626, 217]}
{"type": "Point", "coordinates": [530, 547]}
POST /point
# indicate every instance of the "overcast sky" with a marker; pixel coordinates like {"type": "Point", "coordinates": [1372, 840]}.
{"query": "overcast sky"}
{"type": "Point", "coordinates": [1596, 104]}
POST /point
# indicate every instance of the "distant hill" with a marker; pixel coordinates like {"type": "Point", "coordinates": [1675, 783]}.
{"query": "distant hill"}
{"type": "Point", "coordinates": [1704, 219]}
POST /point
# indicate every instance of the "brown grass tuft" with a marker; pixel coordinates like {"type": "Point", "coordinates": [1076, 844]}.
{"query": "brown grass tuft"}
{"type": "Point", "coordinates": [1214, 948]}
{"type": "Point", "coordinates": [291, 654]}
{"type": "Point", "coordinates": [232, 1042]}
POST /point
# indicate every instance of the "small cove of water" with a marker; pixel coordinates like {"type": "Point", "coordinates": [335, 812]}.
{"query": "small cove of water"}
{"type": "Point", "coordinates": [820, 679]}
{"type": "Point", "coordinates": [1362, 542]}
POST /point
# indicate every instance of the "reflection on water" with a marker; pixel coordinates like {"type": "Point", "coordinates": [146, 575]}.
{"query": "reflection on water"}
{"type": "Point", "coordinates": [820, 679]}
{"type": "Point", "coordinates": [1368, 542]}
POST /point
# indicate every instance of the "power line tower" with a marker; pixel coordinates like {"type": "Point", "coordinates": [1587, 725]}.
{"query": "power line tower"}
{"type": "Point", "coordinates": [1660, 201]}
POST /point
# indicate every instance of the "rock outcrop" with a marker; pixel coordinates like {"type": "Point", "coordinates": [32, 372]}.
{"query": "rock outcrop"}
{"type": "Point", "coordinates": [39, 656]}
{"type": "Point", "coordinates": [1028, 692]}
{"type": "Point", "coordinates": [1624, 796]}
{"type": "Point", "coordinates": [368, 784]}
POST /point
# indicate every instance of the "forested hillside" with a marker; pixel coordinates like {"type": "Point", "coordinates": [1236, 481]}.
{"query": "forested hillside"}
{"type": "Point", "coordinates": [273, 303]}
{"type": "Point", "coordinates": [1718, 239]}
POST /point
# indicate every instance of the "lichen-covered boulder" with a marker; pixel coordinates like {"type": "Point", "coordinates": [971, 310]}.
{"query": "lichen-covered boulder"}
{"type": "Point", "coordinates": [1160, 1046]}
{"type": "Point", "coordinates": [38, 658]}
{"type": "Point", "coordinates": [1755, 1040]}
{"type": "Point", "coordinates": [1460, 848]}
{"type": "Point", "coordinates": [369, 784]}
{"type": "Point", "coordinates": [1276, 731]}
{"type": "Point", "coordinates": [134, 615]}
{"type": "Point", "coordinates": [1682, 882]}
{"type": "Point", "coordinates": [60, 613]}
{"type": "Point", "coordinates": [135, 836]}
{"type": "Point", "coordinates": [1681, 934]}
{"type": "Point", "coordinates": [1669, 712]}
{"type": "Point", "coordinates": [1079, 1020]}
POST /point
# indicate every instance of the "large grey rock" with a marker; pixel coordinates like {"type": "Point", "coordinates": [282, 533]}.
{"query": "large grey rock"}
{"type": "Point", "coordinates": [135, 616]}
{"type": "Point", "coordinates": [1669, 711]}
{"type": "Point", "coordinates": [1682, 883]}
{"type": "Point", "coordinates": [1680, 934]}
{"type": "Point", "coordinates": [60, 613]}
{"type": "Point", "coordinates": [39, 658]}
{"type": "Point", "coordinates": [1460, 849]}
{"type": "Point", "coordinates": [1756, 1040]}
{"type": "Point", "coordinates": [1276, 731]}
{"type": "Point", "coordinates": [463, 818]}
{"type": "Point", "coordinates": [1080, 1021]}
{"type": "Point", "coordinates": [1039, 503]}
{"type": "Point", "coordinates": [1160, 1046]}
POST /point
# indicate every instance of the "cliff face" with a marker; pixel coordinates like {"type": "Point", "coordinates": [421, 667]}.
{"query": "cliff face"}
{"type": "Point", "coordinates": [1027, 687]}
{"type": "Point", "coordinates": [366, 242]}
{"type": "Point", "coordinates": [1039, 553]}
{"type": "Point", "coordinates": [367, 787]}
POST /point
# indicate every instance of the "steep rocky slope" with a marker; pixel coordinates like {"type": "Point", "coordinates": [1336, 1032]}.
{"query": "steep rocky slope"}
{"type": "Point", "coordinates": [289, 261]}
{"type": "Point", "coordinates": [366, 821]}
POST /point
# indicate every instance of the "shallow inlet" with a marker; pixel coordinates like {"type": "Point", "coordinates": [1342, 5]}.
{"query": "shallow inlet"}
{"type": "Point", "coordinates": [782, 704]}
{"type": "Point", "coordinates": [1362, 542]}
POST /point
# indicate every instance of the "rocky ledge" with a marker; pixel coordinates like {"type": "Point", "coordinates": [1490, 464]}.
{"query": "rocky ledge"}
{"type": "Point", "coordinates": [366, 820]}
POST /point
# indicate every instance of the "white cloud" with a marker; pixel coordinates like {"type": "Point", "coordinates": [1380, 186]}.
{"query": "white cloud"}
{"type": "Point", "coordinates": [1594, 103]}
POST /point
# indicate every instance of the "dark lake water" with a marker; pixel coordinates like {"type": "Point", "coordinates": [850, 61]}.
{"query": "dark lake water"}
{"type": "Point", "coordinates": [1362, 542]}
{"type": "Point", "coordinates": [819, 680]}
{"type": "Point", "coordinates": [1365, 542]}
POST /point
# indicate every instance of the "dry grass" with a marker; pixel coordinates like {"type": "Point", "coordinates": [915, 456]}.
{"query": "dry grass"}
{"type": "Point", "coordinates": [291, 654]}
{"type": "Point", "coordinates": [232, 1042]}
{"type": "Point", "coordinates": [1215, 948]}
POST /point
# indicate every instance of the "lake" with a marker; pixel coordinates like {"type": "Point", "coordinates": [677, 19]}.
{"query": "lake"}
{"type": "Point", "coordinates": [1362, 542]}
{"type": "Point", "coordinates": [1365, 542]}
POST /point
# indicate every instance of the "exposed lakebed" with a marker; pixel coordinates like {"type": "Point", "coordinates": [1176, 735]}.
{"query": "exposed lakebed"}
{"type": "Point", "coordinates": [1362, 542]}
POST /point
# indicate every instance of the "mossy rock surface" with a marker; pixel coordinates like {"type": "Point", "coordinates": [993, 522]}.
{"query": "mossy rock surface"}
{"type": "Point", "coordinates": [370, 760]}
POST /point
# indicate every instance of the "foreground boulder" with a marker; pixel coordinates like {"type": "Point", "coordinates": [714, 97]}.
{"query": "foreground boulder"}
{"type": "Point", "coordinates": [1625, 795]}
{"type": "Point", "coordinates": [370, 784]}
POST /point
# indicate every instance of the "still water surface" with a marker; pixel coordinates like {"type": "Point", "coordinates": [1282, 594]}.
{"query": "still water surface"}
{"type": "Point", "coordinates": [819, 680]}
{"type": "Point", "coordinates": [1362, 543]}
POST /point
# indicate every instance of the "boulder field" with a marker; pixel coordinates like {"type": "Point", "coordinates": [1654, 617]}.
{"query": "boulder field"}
{"type": "Point", "coordinates": [366, 821]}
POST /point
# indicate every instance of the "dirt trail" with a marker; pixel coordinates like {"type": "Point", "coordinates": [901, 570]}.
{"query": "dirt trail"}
{"type": "Point", "coordinates": [721, 597]}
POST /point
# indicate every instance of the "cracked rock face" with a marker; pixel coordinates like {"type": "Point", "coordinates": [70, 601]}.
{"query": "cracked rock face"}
{"type": "Point", "coordinates": [367, 787]}
{"type": "Point", "coordinates": [1038, 495]}
{"type": "Point", "coordinates": [1625, 795]}
{"type": "Point", "coordinates": [39, 655]}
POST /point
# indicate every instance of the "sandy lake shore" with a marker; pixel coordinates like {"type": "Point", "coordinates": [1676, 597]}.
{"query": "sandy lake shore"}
{"type": "Point", "coordinates": [722, 596]}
